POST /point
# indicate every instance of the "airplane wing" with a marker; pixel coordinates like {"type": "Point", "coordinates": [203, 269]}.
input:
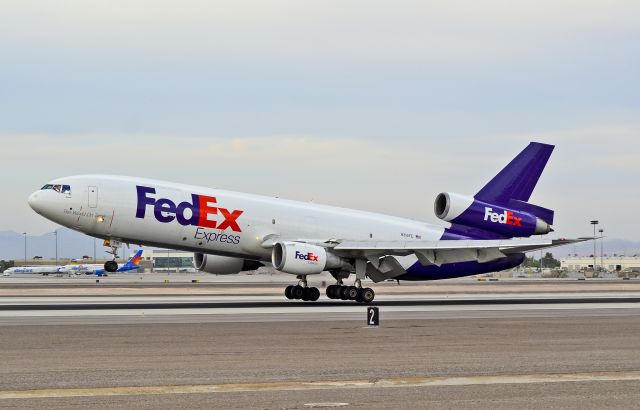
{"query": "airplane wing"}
{"type": "Point", "coordinates": [448, 251]}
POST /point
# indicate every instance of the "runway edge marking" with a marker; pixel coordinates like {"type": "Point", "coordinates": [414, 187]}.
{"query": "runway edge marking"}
{"type": "Point", "coordinates": [323, 385]}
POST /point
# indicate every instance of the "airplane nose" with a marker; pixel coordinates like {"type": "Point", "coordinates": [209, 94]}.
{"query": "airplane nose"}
{"type": "Point", "coordinates": [34, 201]}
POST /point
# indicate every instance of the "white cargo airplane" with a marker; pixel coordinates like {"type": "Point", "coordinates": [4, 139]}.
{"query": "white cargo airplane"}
{"type": "Point", "coordinates": [33, 269]}
{"type": "Point", "coordinates": [231, 232]}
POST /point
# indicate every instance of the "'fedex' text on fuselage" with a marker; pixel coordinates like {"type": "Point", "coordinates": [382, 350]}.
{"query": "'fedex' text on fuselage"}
{"type": "Point", "coordinates": [505, 218]}
{"type": "Point", "coordinates": [201, 209]}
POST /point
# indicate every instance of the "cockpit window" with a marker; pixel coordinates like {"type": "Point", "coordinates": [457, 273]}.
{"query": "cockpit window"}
{"type": "Point", "coordinates": [63, 189]}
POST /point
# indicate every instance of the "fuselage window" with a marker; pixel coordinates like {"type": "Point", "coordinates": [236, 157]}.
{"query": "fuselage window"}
{"type": "Point", "coordinates": [66, 189]}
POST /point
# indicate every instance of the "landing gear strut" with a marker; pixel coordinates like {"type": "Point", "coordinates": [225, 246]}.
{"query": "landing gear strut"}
{"type": "Point", "coordinates": [301, 291]}
{"type": "Point", "coordinates": [112, 265]}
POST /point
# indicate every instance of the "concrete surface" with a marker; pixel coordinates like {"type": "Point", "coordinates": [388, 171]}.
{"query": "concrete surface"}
{"type": "Point", "coordinates": [525, 362]}
{"type": "Point", "coordinates": [452, 344]}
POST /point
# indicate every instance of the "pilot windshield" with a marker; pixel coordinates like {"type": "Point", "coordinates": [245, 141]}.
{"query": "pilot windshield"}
{"type": "Point", "coordinates": [63, 189]}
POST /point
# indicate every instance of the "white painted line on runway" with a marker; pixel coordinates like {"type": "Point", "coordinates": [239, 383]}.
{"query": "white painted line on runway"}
{"type": "Point", "coordinates": [52, 300]}
{"type": "Point", "coordinates": [312, 309]}
{"type": "Point", "coordinates": [322, 385]}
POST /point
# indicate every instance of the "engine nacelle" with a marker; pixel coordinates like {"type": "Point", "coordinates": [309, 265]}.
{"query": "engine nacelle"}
{"type": "Point", "coordinates": [223, 265]}
{"type": "Point", "coordinates": [300, 258]}
{"type": "Point", "coordinates": [468, 211]}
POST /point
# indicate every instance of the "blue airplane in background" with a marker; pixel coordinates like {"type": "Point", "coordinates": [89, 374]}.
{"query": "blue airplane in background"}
{"type": "Point", "coordinates": [98, 269]}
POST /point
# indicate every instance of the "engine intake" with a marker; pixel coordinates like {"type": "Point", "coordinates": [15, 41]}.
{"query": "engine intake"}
{"type": "Point", "coordinates": [504, 220]}
{"type": "Point", "coordinates": [300, 258]}
{"type": "Point", "coordinates": [223, 265]}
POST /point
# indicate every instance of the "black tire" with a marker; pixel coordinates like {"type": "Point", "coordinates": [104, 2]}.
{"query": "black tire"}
{"type": "Point", "coordinates": [288, 292]}
{"type": "Point", "coordinates": [331, 291]}
{"type": "Point", "coordinates": [314, 294]}
{"type": "Point", "coordinates": [359, 297]}
{"type": "Point", "coordinates": [367, 295]}
{"type": "Point", "coordinates": [111, 266]}
{"type": "Point", "coordinates": [297, 292]}
{"type": "Point", "coordinates": [344, 295]}
{"type": "Point", "coordinates": [306, 294]}
{"type": "Point", "coordinates": [352, 292]}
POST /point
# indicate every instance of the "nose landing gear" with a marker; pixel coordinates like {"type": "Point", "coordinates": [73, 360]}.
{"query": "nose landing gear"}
{"type": "Point", "coordinates": [112, 266]}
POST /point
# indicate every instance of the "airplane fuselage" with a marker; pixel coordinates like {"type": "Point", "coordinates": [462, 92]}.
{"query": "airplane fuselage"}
{"type": "Point", "coordinates": [126, 208]}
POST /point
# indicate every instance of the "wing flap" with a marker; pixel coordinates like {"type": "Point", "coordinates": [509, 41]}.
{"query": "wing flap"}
{"type": "Point", "coordinates": [448, 251]}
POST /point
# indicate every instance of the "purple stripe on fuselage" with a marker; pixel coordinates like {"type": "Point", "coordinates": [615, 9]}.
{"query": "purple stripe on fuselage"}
{"type": "Point", "coordinates": [455, 270]}
{"type": "Point", "coordinates": [460, 269]}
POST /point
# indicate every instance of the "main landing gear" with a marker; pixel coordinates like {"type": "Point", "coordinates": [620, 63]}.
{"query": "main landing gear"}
{"type": "Point", "coordinates": [338, 291]}
{"type": "Point", "coordinates": [301, 291]}
{"type": "Point", "coordinates": [357, 292]}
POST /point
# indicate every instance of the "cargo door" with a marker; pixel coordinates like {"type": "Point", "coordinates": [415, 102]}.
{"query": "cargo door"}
{"type": "Point", "coordinates": [93, 197]}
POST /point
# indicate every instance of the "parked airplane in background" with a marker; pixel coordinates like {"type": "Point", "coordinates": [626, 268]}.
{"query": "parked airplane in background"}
{"type": "Point", "coordinates": [33, 269]}
{"type": "Point", "coordinates": [77, 269]}
{"type": "Point", "coordinates": [230, 232]}
{"type": "Point", "coordinates": [98, 269]}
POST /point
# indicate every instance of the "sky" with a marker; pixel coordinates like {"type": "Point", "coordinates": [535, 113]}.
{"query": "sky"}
{"type": "Point", "coordinates": [373, 105]}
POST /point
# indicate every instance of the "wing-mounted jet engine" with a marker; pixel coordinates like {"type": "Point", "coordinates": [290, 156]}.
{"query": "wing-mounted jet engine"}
{"type": "Point", "coordinates": [302, 259]}
{"type": "Point", "coordinates": [223, 265]}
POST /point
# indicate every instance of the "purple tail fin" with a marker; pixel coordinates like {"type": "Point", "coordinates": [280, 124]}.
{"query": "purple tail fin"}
{"type": "Point", "coordinates": [517, 180]}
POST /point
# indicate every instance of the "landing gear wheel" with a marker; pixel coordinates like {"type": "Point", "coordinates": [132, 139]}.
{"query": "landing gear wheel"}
{"type": "Point", "coordinates": [344, 295]}
{"type": "Point", "coordinates": [331, 291]}
{"type": "Point", "coordinates": [297, 292]}
{"type": "Point", "coordinates": [305, 294]}
{"type": "Point", "coordinates": [111, 266]}
{"type": "Point", "coordinates": [352, 292]}
{"type": "Point", "coordinates": [288, 292]}
{"type": "Point", "coordinates": [367, 295]}
{"type": "Point", "coordinates": [314, 294]}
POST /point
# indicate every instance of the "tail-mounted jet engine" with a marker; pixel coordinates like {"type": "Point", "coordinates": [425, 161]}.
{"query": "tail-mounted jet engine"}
{"type": "Point", "coordinates": [223, 265]}
{"type": "Point", "coordinates": [300, 258]}
{"type": "Point", "coordinates": [516, 219]}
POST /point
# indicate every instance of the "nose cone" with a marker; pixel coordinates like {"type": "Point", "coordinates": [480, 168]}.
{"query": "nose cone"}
{"type": "Point", "coordinates": [34, 202]}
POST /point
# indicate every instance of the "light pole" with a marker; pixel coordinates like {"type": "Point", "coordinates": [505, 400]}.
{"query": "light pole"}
{"type": "Point", "coordinates": [594, 223]}
{"type": "Point", "coordinates": [55, 233]}
{"type": "Point", "coordinates": [25, 248]}
{"type": "Point", "coordinates": [94, 250]}
{"type": "Point", "coordinates": [601, 231]}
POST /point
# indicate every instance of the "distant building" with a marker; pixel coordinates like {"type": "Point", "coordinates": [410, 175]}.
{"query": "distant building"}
{"type": "Point", "coordinates": [159, 260]}
{"type": "Point", "coordinates": [609, 263]}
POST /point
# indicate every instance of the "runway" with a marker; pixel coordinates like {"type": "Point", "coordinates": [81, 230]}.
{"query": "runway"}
{"type": "Point", "coordinates": [479, 347]}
